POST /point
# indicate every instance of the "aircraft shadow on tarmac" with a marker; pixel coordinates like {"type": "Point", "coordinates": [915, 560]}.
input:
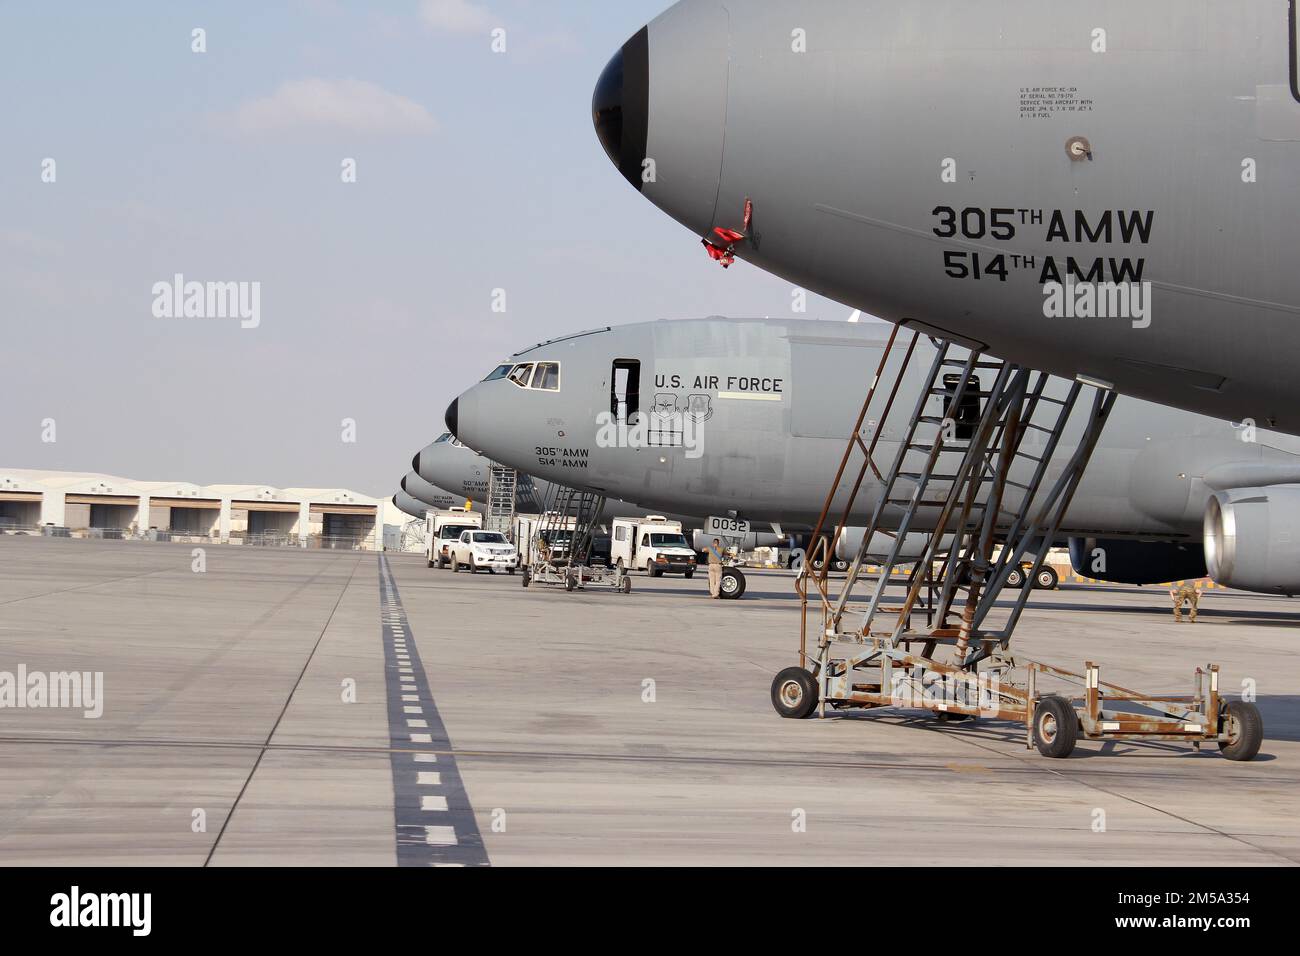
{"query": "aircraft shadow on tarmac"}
{"type": "Point", "coordinates": [1159, 608]}
{"type": "Point", "coordinates": [1163, 610]}
{"type": "Point", "coordinates": [1281, 722]}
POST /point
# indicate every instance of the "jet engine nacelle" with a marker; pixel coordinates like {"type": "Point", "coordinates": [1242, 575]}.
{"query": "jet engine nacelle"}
{"type": "Point", "coordinates": [1252, 539]}
{"type": "Point", "coordinates": [881, 544]}
{"type": "Point", "coordinates": [1121, 561]}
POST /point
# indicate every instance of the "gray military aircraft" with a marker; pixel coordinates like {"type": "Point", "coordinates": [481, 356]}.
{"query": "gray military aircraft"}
{"type": "Point", "coordinates": [749, 418]}
{"type": "Point", "coordinates": [416, 508]}
{"type": "Point", "coordinates": [1105, 189]}
{"type": "Point", "coordinates": [449, 463]}
{"type": "Point", "coordinates": [433, 496]}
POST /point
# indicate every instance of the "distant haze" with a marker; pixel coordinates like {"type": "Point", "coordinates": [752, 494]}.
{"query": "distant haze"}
{"type": "Point", "coordinates": [474, 170]}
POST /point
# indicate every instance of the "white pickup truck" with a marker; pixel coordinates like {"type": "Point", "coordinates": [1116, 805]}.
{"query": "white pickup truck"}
{"type": "Point", "coordinates": [479, 550]}
{"type": "Point", "coordinates": [443, 528]}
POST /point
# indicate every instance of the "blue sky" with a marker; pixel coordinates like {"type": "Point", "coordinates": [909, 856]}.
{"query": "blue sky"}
{"type": "Point", "coordinates": [475, 171]}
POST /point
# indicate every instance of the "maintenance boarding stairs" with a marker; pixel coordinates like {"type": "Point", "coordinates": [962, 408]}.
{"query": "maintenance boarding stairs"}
{"type": "Point", "coordinates": [562, 545]}
{"type": "Point", "coordinates": [964, 499]}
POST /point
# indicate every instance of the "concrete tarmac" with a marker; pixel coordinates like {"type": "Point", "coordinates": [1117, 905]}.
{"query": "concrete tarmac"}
{"type": "Point", "coordinates": [588, 728]}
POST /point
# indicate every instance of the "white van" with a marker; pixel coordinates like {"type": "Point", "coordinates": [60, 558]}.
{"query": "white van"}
{"type": "Point", "coordinates": [652, 544]}
{"type": "Point", "coordinates": [558, 535]}
{"type": "Point", "coordinates": [443, 528]}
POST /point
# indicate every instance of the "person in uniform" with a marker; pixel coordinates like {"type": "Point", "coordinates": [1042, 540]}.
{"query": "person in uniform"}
{"type": "Point", "coordinates": [715, 569]}
{"type": "Point", "coordinates": [1187, 594]}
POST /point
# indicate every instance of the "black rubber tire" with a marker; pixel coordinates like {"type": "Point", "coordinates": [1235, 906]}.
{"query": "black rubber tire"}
{"type": "Point", "coordinates": [510, 571]}
{"type": "Point", "coordinates": [1056, 727]}
{"type": "Point", "coordinates": [794, 693]}
{"type": "Point", "coordinates": [526, 577]}
{"type": "Point", "coordinates": [1016, 579]}
{"type": "Point", "coordinates": [653, 571]}
{"type": "Point", "coordinates": [430, 562]}
{"type": "Point", "coordinates": [1047, 579]}
{"type": "Point", "coordinates": [737, 585]}
{"type": "Point", "coordinates": [570, 584]}
{"type": "Point", "coordinates": [688, 575]}
{"type": "Point", "coordinates": [626, 586]}
{"type": "Point", "coordinates": [1250, 730]}
{"type": "Point", "coordinates": [455, 564]}
{"type": "Point", "coordinates": [492, 570]}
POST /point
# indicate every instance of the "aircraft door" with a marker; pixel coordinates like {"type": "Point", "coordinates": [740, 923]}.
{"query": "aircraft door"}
{"type": "Point", "coordinates": [625, 390]}
{"type": "Point", "coordinates": [1294, 29]}
{"type": "Point", "coordinates": [967, 414]}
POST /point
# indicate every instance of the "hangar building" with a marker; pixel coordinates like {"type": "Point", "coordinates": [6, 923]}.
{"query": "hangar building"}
{"type": "Point", "coordinates": [94, 505]}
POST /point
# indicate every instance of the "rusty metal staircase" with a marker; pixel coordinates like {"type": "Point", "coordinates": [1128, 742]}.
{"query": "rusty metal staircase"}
{"type": "Point", "coordinates": [960, 491]}
{"type": "Point", "coordinates": [568, 526]}
{"type": "Point", "coordinates": [572, 515]}
{"type": "Point", "coordinates": [981, 486]}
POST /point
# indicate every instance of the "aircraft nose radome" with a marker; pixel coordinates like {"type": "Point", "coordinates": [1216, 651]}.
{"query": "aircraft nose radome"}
{"type": "Point", "coordinates": [677, 68]}
{"type": "Point", "coordinates": [452, 419]}
{"type": "Point", "coordinates": [620, 107]}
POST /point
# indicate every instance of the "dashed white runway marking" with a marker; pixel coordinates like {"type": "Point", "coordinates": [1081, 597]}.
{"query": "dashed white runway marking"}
{"type": "Point", "coordinates": [417, 792]}
{"type": "Point", "coordinates": [440, 836]}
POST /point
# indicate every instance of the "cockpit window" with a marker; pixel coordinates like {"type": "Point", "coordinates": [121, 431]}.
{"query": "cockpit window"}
{"type": "Point", "coordinates": [541, 376]}
{"type": "Point", "coordinates": [501, 371]}
{"type": "Point", "coordinates": [443, 438]}
{"type": "Point", "coordinates": [547, 376]}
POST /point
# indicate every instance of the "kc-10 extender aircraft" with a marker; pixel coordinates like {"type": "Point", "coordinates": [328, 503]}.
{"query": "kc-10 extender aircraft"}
{"type": "Point", "coordinates": [1000, 172]}
{"type": "Point", "coordinates": [448, 463]}
{"type": "Point", "coordinates": [748, 418]}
